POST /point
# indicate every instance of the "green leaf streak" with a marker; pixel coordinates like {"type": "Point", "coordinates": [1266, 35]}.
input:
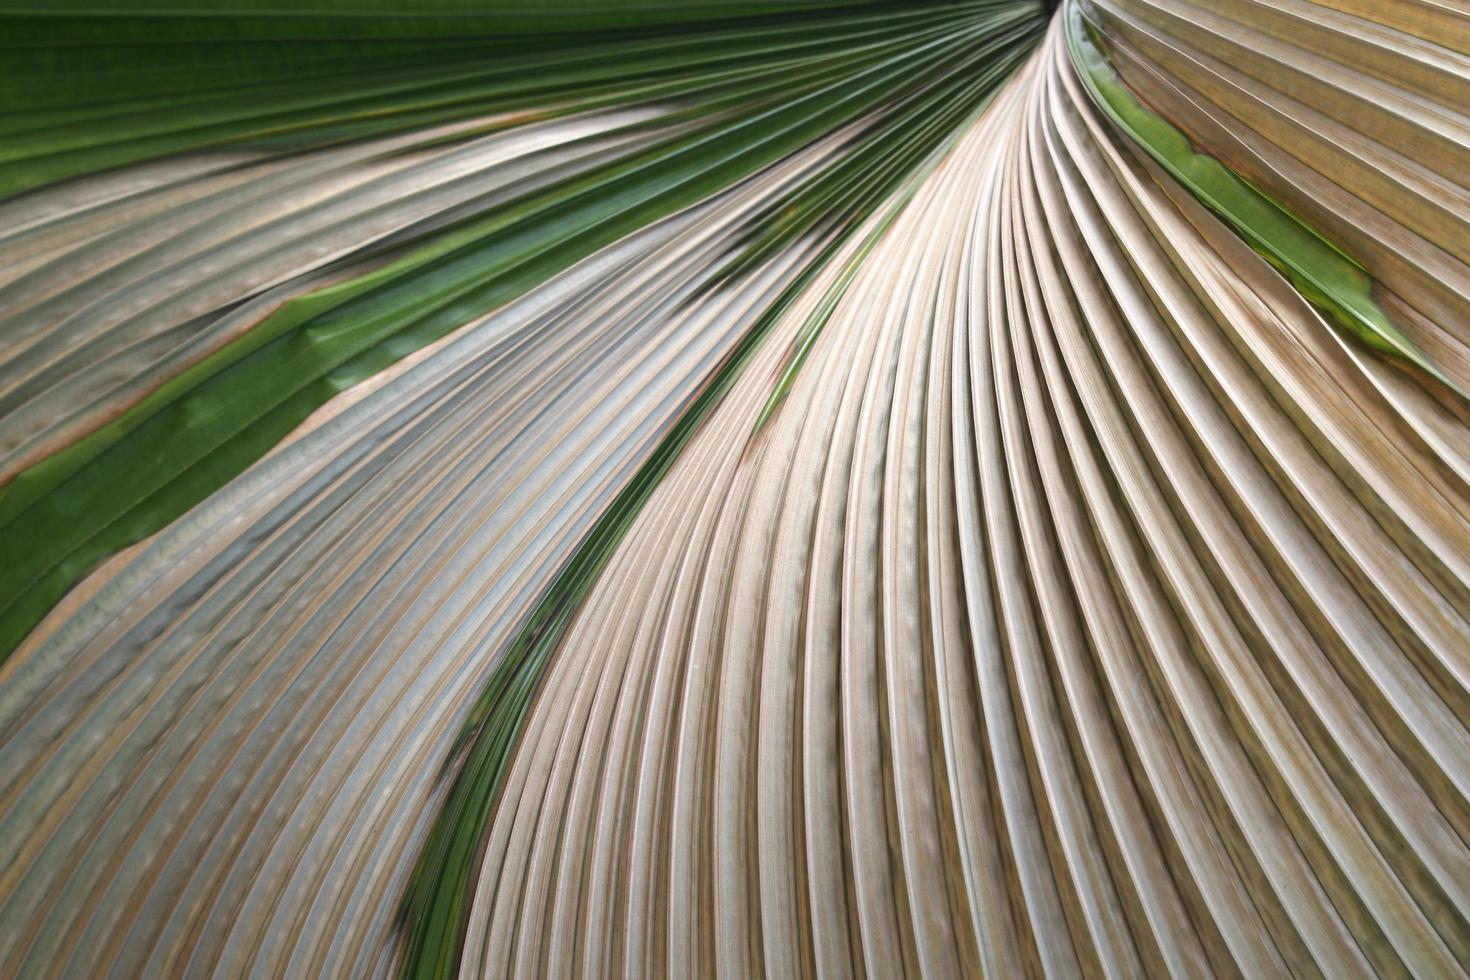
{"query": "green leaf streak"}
{"type": "Point", "coordinates": [130, 478]}
{"type": "Point", "coordinates": [1338, 287]}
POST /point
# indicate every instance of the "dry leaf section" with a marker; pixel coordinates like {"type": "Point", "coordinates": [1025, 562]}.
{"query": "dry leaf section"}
{"type": "Point", "coordinates": [1089, 605]}
{"type": "Point", "coordinates": [1353, 124]}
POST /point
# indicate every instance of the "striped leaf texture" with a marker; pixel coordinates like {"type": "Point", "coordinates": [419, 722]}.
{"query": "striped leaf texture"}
{"type": "Point", "coordinates": [708, 489]}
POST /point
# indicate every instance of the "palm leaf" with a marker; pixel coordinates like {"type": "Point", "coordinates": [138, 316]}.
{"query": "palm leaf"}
{"type": "Point", "coordinates": [948, 488]}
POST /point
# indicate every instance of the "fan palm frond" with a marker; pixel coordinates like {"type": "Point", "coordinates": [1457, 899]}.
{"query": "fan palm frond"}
{"type": "Point", "coordinates": [812, 488]}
